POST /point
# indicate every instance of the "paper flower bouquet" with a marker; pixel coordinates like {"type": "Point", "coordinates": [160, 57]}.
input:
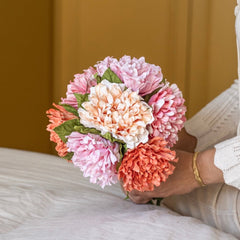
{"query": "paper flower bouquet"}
{"type": "Point", "coordinates": [118, 122]}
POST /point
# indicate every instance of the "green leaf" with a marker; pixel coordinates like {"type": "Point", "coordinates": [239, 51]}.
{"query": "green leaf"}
{"type": "Point", "coordinates": [148, 96]}
{"type": "Point", "coordinates": [81, 98]}
{"type": "Point", "coordinates": [85, 130]}
{"type": "Point", "coordinates": [118, 165]}
{"type": "Point", "coordinates": [66, 128]}
{"type": "Point", "coordinates": [70, 109]}
{"type": "Point", "coordinates": [127, 197]}
{"type": "Point", "coordinates": [121, 154]}
{"type": "Point", "coordinates": [112, 139]}
{"type": "Point", "coordinates": [69, 156]}
{"type": "Point", "coordinates": [111, 76]}
{"type": "Point", "coordinates": [96, 76]}
{"type": "Point", "coordinates": [124, 150]}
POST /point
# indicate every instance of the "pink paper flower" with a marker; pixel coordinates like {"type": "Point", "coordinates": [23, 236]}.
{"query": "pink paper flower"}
{"type": "Point", "coordinates": [168, 112]}
{"type": "Point", "coordinates": [95, 156]}
{"type": "Point", "coordinates": [81, 84]}
{"type": "Point", "coordinates": [136, 74]}
{"type": "Point", "coordinates": [102, 66]}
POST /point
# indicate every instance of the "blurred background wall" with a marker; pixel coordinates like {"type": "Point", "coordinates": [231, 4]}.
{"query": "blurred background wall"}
{"type": "Point", "coordinates": [44, 43]}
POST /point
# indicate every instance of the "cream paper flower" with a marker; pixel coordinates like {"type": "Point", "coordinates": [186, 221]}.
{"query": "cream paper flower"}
{"type": "Point", "coordinates": [121, 112]}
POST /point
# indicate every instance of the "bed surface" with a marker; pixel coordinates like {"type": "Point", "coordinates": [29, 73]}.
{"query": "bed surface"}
{"type": "Point", "coordinates": [45, 197]}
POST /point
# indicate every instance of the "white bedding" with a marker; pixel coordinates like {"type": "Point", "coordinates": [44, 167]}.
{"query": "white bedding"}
{"type": "Point", "coordinates": [45, 197]}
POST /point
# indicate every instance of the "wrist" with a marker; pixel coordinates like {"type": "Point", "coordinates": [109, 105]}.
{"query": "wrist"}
{"type": "Point", "coordinates": [209, 173]}
{"type": "Point", "coordinates": [186, 142]}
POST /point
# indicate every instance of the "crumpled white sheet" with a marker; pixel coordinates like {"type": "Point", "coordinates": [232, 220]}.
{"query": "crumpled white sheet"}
{"type": "Point", "coordinates": [45, 197]}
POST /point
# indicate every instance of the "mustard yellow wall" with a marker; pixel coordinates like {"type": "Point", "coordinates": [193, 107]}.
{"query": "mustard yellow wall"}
{"type": "Point", "coordinates": [192, 40]}
{"type": "Point", "coordinates": [212, 54]}
{"type": "Point", "coordinates": [25, 73]}
{"type": "Point", "coordinates": [88, 31]}
{"type": "Point", "coordinates": [44, 43]}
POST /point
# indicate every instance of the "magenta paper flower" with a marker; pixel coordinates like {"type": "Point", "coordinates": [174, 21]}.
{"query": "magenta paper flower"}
{"type": "Point", "coordinates": [81, 84]}
{"type": "Point", "coordinates": [169, 114]}
{"type": "Point", "coordinates": [95, 156]}
{"type": "Point", "coordinates": [136, 74]}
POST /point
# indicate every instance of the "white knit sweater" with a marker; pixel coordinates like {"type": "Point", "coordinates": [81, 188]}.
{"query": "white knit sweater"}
{"type": "Point", "coordinates": [218, 125]}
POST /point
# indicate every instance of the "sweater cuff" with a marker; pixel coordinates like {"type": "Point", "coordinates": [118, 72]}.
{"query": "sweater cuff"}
{"type": "Point", "coordinates": [227, 159]}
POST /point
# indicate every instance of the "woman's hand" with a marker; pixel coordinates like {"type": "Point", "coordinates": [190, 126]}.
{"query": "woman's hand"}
{"type": "Point", "coordinates": [182, 180]}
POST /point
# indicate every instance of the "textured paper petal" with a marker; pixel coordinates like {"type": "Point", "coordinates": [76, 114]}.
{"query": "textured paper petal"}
{"type": "Point", "coordinates": [118, 111]}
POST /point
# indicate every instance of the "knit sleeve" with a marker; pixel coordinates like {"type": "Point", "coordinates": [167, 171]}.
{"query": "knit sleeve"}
{"type": "Point", "coordinates": [227, 158]}
{"type": "Point", "coordinates": [217, 121]}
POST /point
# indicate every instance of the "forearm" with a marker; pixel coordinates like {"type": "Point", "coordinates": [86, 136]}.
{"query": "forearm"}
{"type": "Point", "coordinates": [209, 173]}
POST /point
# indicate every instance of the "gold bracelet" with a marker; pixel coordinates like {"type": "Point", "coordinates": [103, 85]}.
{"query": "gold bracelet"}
{"type": "Point", "coordinates": [195, 170]}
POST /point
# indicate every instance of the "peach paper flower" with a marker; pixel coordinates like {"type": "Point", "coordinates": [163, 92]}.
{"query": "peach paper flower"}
{"type": "Point", "coordinates": [147, 165]}
{"type": "Point", "coordinates": [56, 118]}
{"type": "Point", "coordinates": [118, 111]}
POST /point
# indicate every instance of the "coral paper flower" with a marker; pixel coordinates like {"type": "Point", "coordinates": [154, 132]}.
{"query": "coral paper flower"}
{"type": "Point", "coordinates": [81, 84]}
{"type": "Point", "coordinates": [168, 112]}
{"type": "Point", "coordinates": [118, 111]}
{"type": "Point", "coordinates": [56, 118]}
{"type": "Point", "coordinates": [95, 156]}
{"type": "Point", "coordinates": [147, 165]}
{"type": "Point", "coordinates": [136, 74]}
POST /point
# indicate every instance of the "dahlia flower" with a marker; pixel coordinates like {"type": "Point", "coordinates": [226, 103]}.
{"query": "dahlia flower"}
{"type": "Point", "coordinates": [95, 156]}
{"type": "Point", "coordinates": [147, 165]}
{"type": "Point", "coordinates": [118, 111]}
{"type": "Point", "coordinates": [81, 84]}
{"type": "Point", "coordinates": [168, 111]}
{"type": "Point", "coordinates": [56, 118]}
{"type": "Point", "coordinates": [135, 73]}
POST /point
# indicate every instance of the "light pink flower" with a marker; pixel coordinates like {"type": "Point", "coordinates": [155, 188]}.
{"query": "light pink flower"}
{"type": "Point", "coordinates": [168, 112]}
{"type": "Point", "coordinates": [121, 112]}
{"type": "Point", "coordinates": [95, 156]}
{"type": "Point", "coordinates": [81, 84]}
{"type": "Point", "coordinates": [102, 66]}
{"type": "Point", "coordinates": [136, 74]}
